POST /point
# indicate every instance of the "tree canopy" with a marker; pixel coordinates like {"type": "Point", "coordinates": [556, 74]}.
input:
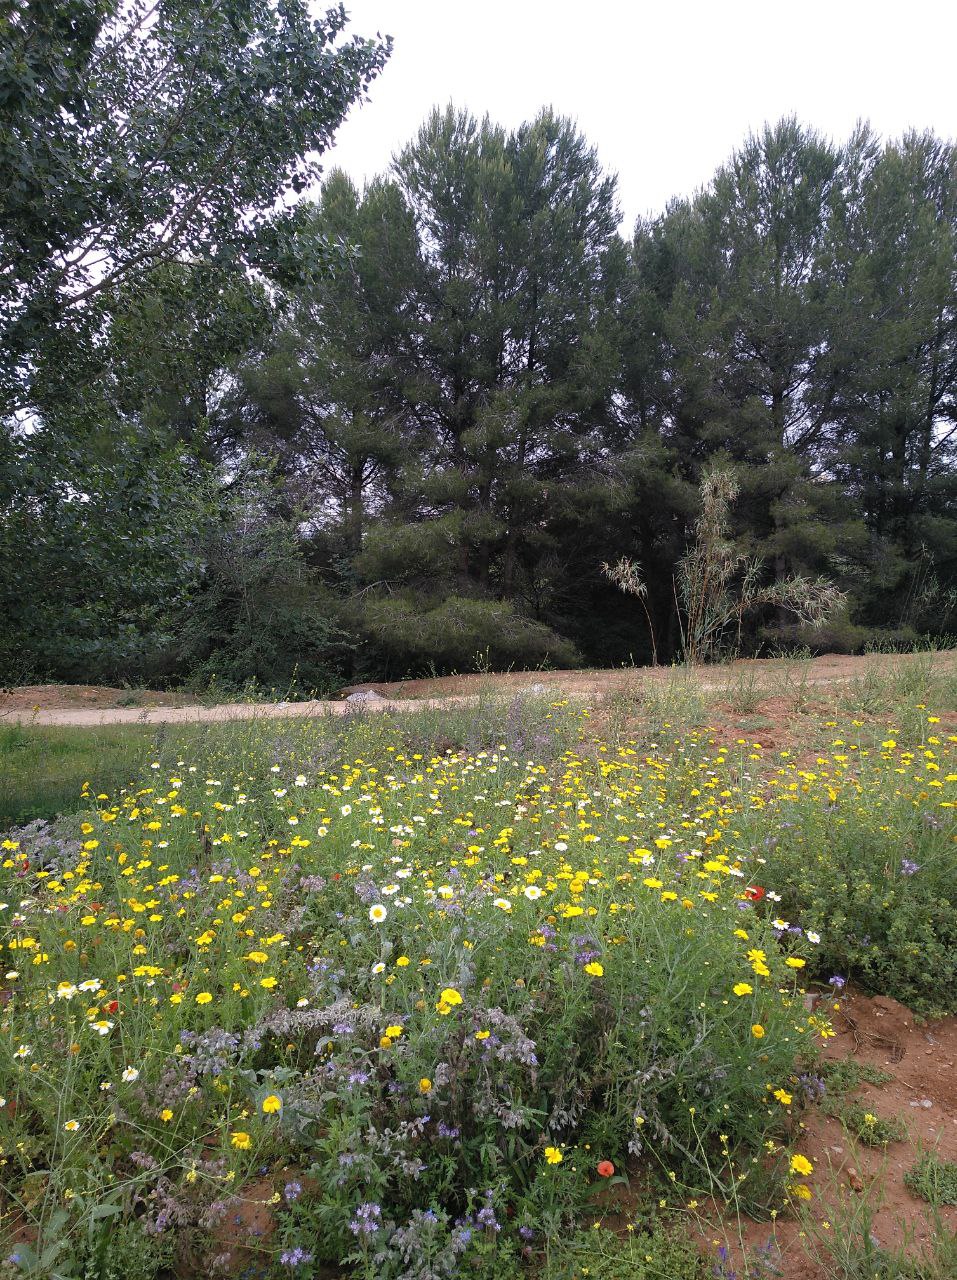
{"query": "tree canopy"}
{"type": "Point", "coordinates": [402, 428]}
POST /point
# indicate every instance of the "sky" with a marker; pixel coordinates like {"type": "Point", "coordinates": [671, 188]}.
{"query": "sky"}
{"type": "Point", "coordinates": [663, 89]}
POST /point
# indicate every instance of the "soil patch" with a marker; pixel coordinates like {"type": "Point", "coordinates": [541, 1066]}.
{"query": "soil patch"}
{"type": "Point", "coordinates": [921, 1059]}
{"type": "Point", "coordinates": [772, 683]}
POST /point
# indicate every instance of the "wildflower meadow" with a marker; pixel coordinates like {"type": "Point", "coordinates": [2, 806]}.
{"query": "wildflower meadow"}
{"type": "Point", "coordinates": [433, 1011]}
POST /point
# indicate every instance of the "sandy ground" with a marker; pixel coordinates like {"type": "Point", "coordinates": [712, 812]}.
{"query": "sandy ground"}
{"type": "Point", "coordinates": [97, 704]}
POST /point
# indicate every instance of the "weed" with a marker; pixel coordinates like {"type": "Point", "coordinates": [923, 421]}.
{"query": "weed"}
{"type": "Point", "coordinates": [843, 1075]}
{"type": "Point", "coordinates": [649, 1254]}
{"type": "Point", "coordinates": [743, 694]}
{"type": "Point", "coordinates": [933, 1179]}
{"type": "Point", "coordinates": [865, 1126]}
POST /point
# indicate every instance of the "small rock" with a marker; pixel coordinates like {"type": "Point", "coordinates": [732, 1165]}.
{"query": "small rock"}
{"type": "Point", "coordinates": [854, 1178]}
{"type": "Point", "coordinates": [365, 695]}
{"type": "Point", "coordinates": [536, 688]}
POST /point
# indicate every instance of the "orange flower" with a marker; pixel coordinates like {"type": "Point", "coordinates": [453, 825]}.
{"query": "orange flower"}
{"type": "Point", "coordinates": [605, 1168]}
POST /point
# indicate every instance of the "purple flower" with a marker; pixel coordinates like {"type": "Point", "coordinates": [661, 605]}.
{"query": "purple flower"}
{"type": "Point", "coordinates": [293, 1257]}
{"type": "Point", "coordinates": [367, 1220]}
{"type": "Point", "coordinates": [292, 1191]}
{"type": "Point", "coordinates": [909, 868]}
{"type": "Point", "coordinates": [837, 982]}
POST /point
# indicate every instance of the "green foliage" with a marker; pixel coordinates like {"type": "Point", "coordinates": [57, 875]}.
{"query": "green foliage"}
{"type": "Point", "coordinates": [719, 585]}
{"type": "Point", "coordinates": [42, 771]}
{"type": "Point", "coordinates": [258, 613]}
{"type": "Point", "coordinates": [94, 555]}
{"type": "Point", "coordinates": [472, 392]}
{"type": "Point", "coordinates": [134, 135]}
{"type": "Point", "coordinates": [849, 1247]}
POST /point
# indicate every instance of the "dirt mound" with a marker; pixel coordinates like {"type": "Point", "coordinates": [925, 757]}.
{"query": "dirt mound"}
{"type": "Point", "coordinates": [89, 697]}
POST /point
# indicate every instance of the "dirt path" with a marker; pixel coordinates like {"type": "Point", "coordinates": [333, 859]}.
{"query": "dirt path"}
{"type": "Point", "coordinates": [88, 705]}
{"type": "Point", "coordinates": [226, 711]}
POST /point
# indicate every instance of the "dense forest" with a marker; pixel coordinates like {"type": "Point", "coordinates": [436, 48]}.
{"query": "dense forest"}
{"type": "Point", "coordinates": [259, 424]}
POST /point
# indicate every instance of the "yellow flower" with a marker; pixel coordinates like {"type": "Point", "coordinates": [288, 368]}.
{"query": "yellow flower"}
{"type": "Point", "coordinates": [553, 1155]}
{"type": "Point", "coordinates": [385, 1042]}
{"type": "Point", "coordinates": [801, 1165]}
{"type": "Point", "coordinates": [258, 957]}
{"type": "Point", "coordinates": [268, 983]}
{"type": "Point", "coordinates": [204, 998]}
{"type": "Point", "coordinates": [425, 1085]}
{"type": "Point", "coordinates": [166, 1115]}
{"type": "Point", "coordinates": [241, 1141]}
{"type": "Point", "coordinates": [743, 989]}
{"type": "Point", "coordinates": [800, 1190]}
{"type": "Point", "coordinates": [272, 1104]}
{"type": "Point", "coordinates": [783, 1097]}
{"type": "Point", "coordinates": [757, 1030]}
{"type": "Point", "coordinates": [482, 1035]}
{"type": "Point", "coordinates": [795, 962]}
{"type": "Point", "coordinates": [595, 969]}
{"type": "Point", "coordinates": [394, 1031]}
{"type": "Point", "coordinates": [447, 1000]}
{"type": "Point", "coordinates": [402, 961]}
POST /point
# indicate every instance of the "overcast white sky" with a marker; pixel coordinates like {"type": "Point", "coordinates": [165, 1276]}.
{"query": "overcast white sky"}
{"type": "Point", "coordinates": [665, 89]}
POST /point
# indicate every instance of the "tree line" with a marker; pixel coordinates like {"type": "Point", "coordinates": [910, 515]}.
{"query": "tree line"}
{"type": "Point", "coordinates": [401, 428]}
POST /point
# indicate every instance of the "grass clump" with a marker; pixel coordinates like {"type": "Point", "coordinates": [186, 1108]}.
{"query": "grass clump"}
{"type": "Point", "coordinates": [843, 1075]}
{"type": "Point", "coordinates": [933, 1179]}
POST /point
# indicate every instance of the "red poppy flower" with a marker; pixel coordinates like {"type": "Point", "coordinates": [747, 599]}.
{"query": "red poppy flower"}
{"type": "Point", "coordinates": [754, 893]}
{"type": "Point", "coordinates": [112, 1006]}
{"type": "Point", "coordinates": [605, 1168]}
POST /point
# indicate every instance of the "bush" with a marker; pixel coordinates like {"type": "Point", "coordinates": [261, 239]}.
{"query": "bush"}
{"type": "Point", "coordinates": [458, 634]}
